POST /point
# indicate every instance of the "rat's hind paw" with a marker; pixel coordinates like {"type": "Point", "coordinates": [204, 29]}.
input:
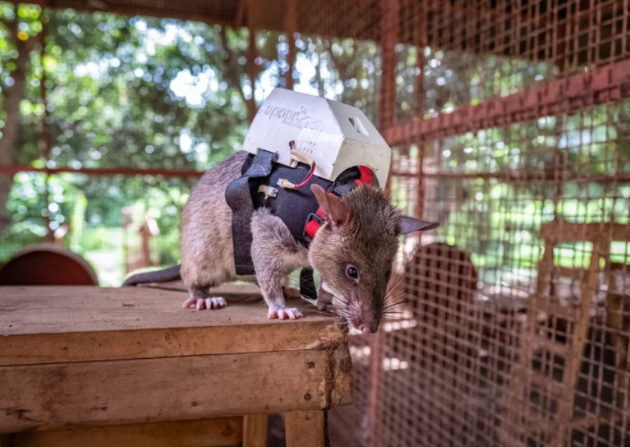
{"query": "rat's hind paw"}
{"type": "Point", "coordinates": [205, 303]}
{"type": "Point", "coordinates": [284, 313]}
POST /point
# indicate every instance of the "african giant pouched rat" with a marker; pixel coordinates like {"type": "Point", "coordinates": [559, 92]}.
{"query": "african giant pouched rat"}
{"type": "Point", "coordinates": [353, 251]}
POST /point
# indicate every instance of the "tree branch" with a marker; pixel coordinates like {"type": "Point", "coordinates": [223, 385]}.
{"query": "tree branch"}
{"type": "Point", "coordinates": [12, 27]}
{"type": "Point", "coordinates": [233, 73]}
{"type": "Point", "coordinates": [12, 98]}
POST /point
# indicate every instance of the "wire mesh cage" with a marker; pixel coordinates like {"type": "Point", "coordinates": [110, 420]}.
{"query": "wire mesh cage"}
{"type": "Point", "coordinates": [510, 124]}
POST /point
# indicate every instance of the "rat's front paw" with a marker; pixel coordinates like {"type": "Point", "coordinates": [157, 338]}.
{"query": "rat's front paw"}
{"type": "Point", "coordinates": [284, 313]}
{"type": "Point", "coordinates": [205, 303]}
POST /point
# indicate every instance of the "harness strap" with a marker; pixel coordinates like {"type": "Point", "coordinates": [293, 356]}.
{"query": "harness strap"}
{"type": "Point", "coordinates": [239, 198]}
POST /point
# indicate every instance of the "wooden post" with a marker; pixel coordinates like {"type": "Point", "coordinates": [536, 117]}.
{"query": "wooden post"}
{"type": "Point", "coordinates": [573, 363]}
{"type": "Point", "coordinates": [290, 26]}
{"type": "Point", "coordinates": [46, 135]}
{"type": "Point", "coordinates": [387, 111]}
{"type": "Point", "coordinates": [305, 429]}
{"type": "Point", "coordinates": [145, 236]}
{"type": "Point", "coordinates": [247, 13]}
{"type": "Point", "coordinates": [421, 31]}
{"type": "Point", "coordinates": [252, 72]}
{"type": "Point", "coordinates": [389, 38]}
{"type": "Point", "coordinates": [255, 430]}
{"type": "Point", "coordinates": [421, 43]}
{"type": "Point", "coordinates": [377, 354]}
{"type": "Point", "coordinates": [419, 211]}
{"type": "Point", "coordinates": [615, 302]}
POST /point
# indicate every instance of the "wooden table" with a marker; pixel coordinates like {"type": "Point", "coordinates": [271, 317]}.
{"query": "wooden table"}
{"type": "Point", "coordinates": [126, 367]}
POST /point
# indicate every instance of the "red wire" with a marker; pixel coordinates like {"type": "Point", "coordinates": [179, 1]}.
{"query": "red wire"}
{"type": "Point", "coordinates": [310, 174]}
{"type": "Point", "coordinates": [308, 178]}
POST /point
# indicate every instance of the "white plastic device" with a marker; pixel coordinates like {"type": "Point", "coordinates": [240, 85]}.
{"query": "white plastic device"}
{"type": "Point", "coordinates": [335, 135]}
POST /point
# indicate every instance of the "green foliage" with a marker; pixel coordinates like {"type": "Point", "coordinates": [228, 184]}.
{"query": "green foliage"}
{"type": "Point", "coordinates": [146, 93]}
{"type": "Point", "coordinates": [161, 93]}
{"type": "Point", "coordinates": [139, 92]}
{"type": "Point", "coordinates": [27, 208]}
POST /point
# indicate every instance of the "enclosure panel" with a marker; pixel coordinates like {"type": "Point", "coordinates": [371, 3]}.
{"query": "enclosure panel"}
{"type": "Point", "coordinates": [487, 358]}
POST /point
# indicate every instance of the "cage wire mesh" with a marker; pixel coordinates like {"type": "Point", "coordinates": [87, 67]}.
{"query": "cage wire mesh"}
{"type": "Point", "coordinates": [510, 125]}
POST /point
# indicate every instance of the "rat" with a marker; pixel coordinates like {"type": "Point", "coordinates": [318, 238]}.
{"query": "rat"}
{"type": "Point", "coordinates": [353, 251]}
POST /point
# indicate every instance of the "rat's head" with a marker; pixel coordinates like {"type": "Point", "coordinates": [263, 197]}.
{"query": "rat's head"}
{"type": "Point", "coordinates": [354, 251]}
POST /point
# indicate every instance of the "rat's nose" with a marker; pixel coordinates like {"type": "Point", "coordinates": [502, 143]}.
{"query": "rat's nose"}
{"type": "Point", "coordinates": [366, 328]}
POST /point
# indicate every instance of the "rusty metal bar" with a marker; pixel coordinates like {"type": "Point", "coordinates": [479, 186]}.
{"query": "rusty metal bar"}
{"type": "Point", "coordinates": [606, 85]}
{"type": "Point", "coordinates": [46, 136]}
{"type": "Point", "coordinates": [389, 38]}
{"type": "Point", "coordinates": [515, 176]}
{"type": "Point", "coordinates": [164, 10]}
{"type": "Point", "coordinates": [420, 109]}
{"type": "Point", "coordinates": [183, 173]}
{"type": "Point", "coordinates": [389, 27]}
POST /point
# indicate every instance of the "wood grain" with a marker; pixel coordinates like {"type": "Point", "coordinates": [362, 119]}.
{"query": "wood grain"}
{"type": "Point", "coordinates": [138, 391]}
{"type": "Point", "coordinates": [76, 324]}
{"type": "Point", "coordinates": [560, 231]}
{"type": "Point", "coordinates": [341, 370]}
{"type": "Point", "coordinates": [255, 430]}
{"type": "Point", "coordinates": [305, 429]}
{"type": "Point", "coordinates": [222, 432]}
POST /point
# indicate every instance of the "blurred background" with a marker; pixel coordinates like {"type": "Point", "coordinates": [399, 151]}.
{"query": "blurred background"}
{"type": "Point", "coordinates": [510, 124]}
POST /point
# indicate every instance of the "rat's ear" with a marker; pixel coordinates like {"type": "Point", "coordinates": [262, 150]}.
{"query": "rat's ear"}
{"type": "Point", "coordinates": [408, 225]}
{"type": "Point", "coordinates": [333, 208]}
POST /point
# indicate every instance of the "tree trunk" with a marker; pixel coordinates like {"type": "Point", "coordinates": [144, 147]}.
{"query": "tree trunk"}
{"type": "Point", "coordinates": [233, 72]}
{"type": "Point", "coordinates": [252, 73]}
{"type": "Point", "coordinates": [12, 98]}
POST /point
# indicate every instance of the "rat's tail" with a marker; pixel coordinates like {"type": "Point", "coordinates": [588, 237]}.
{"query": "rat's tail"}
{"type": "Point", "coordinates": [169, 274]}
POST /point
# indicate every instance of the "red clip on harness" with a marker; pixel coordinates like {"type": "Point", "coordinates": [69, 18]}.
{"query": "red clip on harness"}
{"type": "Point", "coordinates": [316, 220]}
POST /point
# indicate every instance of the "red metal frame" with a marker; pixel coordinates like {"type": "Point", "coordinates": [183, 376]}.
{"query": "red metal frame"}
{"type": "Point", "coordinates": [606, 85]}
{"type": "Point", "coordinates": [183, 173]}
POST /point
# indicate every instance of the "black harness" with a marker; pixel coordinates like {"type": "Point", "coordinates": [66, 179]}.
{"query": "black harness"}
{"type": "Point", "coordinates": [297, 208]}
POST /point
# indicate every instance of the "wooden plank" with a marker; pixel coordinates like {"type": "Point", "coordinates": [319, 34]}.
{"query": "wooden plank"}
{"type": "Point", "coordinates": [199, 433]}
{"type": "Point", "coordinates": [573, 361]}
{"type": "Point", "coordinates": [554, 308]}
{"type": "Point", "coordinates": [554, 347]}
{"type": "Point", "coordinates": [75, 324]}
{"type": "Point", "coordinates": [305, 429]}
{"type": "Point", "coordinates": [560, 231]}
{"type": "Point", "coordinates": [575, 273]}
{"type": "Point", "coordinates": [340, 377]}
{"type": "Point", "coordinates": [139, 391]}
{"type": "Point", "coordinates": [535, 379]}
{"type": "Point", "coordinates": [255, 430]}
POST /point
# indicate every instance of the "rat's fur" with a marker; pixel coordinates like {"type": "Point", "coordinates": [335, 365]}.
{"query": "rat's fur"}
{"type": "Point", "coordinates": [366, 238]}
{"type": "Point", "coordinates": [361, 230]}
{"type": "Point", "coordinates": [206, 244]}
{"type": "Point", "coordinates": [207, 250]}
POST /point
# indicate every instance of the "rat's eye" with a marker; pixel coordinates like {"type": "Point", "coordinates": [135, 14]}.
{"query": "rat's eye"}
{"type": "Point", "coordinates": [352, 272]}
